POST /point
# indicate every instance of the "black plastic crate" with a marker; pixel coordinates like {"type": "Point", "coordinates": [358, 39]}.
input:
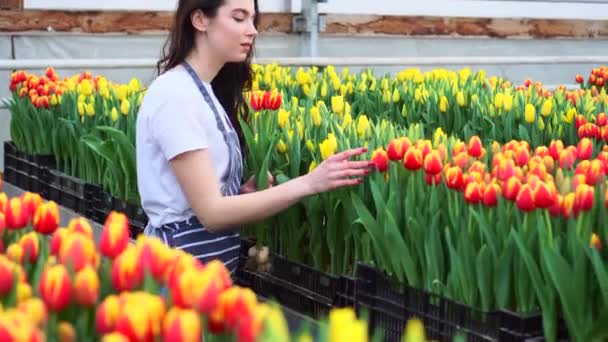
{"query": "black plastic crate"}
{"type": "Point", "coordinates": [474, 324]}
{"type": "Point", "coordinates": [10, 175]}
{"type": "Point", "coordinates": [301, 301]}
{"type": "Point", "coordinates": [306, 277]}
{"type": "Point", "coordinates": [345, 293]}
{"type": "Point", "coordinates": [519, 327]}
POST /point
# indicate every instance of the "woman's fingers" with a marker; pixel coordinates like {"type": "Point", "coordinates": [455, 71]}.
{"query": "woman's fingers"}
{"type": "Point", "coordinates": [345, 155]}
{"type": "Point", "coordinates": [351, 173]}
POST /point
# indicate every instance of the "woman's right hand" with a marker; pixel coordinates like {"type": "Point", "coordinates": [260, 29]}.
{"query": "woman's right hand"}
{"type": "Point", "coordinates": [338, 171]}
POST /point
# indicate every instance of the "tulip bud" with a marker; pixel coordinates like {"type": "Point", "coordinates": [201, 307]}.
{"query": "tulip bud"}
{"type": "Point", "coordinates": [66, 332]}
{"type": "Point", "coordinates": [543, 196]}
{"type": "Point", "coordinates": [46, 218]}
{"type": "Point", "coordinates": [396, 148]}
{"type": "Point", "coordinates": [115, 235]}
{"type": "Point", "coordinates": [454, 178]}
{"type": "Point", "coordinates": [3, 202]}
{"type": "Point", "coordinates": [79, 251]}
{"type": "Point", "coordinates": [182, 325]}
{"type": "Point", "coordinates": [55, 287]}
{"type": "Point", "coordinates": [82, 226]}
{"type": "Point", "coordinates": [127, 271]}
{"type": "Point", "coordinates": [475, 147]}
{"type": "Point", "coordinates": [107, 315]}
{"type": "Point", "coordinates": [114, 337]}
{"type": "Point", "coordinates": [579, 121]}
{"type": "Point", "coordinates": [412, 160]}
{"type": "Point", "coordinates": [583, 198]}
{"type": "Point", "coordinates": [555, 149]}
{"type": "Point", "coordinates": [525, 198]}
{"type": "Point", "coordinates": [15, 214]}
{"type": "Point", "coordinates": [86, 286]}
{"type": "Point", "coordinates": [432, 163]}
{"type": "Point", "coordinates": [601, 120]}
{"type": "Point", "coordinates": [380, 159]}
{"type": "Point", "coordinates": [511, 188]}
{"type": "Point", "coordinates": [595, 242]}
{"type": "Point", "coordinates": [473, 193]}
{"type": "Point", "coordinates": [490, 195]}
{"type": "Point", "coordinates": [31, 247]}
{"type": "Point", "coordinates": [7, 275]}
{"type": "Point", "coordinates": [584, 149]}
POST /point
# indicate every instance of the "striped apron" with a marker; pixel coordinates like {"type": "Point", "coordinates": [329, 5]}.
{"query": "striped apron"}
{"type": "Point", "coordinates": [190, 235]}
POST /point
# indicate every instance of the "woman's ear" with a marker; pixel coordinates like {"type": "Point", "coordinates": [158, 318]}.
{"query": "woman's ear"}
{"type": "Point", "coordinates": [199, 20]}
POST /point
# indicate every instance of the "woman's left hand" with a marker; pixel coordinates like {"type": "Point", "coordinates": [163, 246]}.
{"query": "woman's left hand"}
{"type": "Point", "coordinates": [250, 187]}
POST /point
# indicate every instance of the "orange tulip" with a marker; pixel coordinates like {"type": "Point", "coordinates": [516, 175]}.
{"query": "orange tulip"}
{"type": "Point", "coordinates": [525, 198]}
{"type": "Point", "coordinates": [432, 163]}
{"type": "Point", "coordinates": [475, 147]}
{"type": "Point", "coordinates": [412, 160]}
{"type": "Point", "coordinates": [454, 178]}
{"type": "Point", "coordinates": [584, 149]}
{"type": "Point", "coordinates": [601, 119]}
{"type": "Point", "coordinates": [82, 226]}
{"type": "Point", "coordinates": [133, 322]}
{"type": "Point", "coordinates": [86, 286]}
{"type": "Point", "coordinates": [15, 214]}
{"type": "Point", "coordinates": [555, 149]}
{"type": "Point", "coordinates": [55, 287]}
{"type": "Point", "coordinates": [114, 337]}
{"type": "Point", "coordinates": [473, 193]}
{"type": "Point", "coordinates": [425, 146]}
{"type": "Point", "coordinates": [490, 195]}
{"type": "Point", "coordinates": [380, 160]}
{"type": "Point", "coordinates": [7, 277]}
{"type": "Point", "coordinates": [127, 271]}
{"type": "Point", "coordinates": [31, 202]}
{"type": "Point", "coordinates": [31, 246]}
{"type": "Point", "coordinates": [46, 218]}
{"type": "Point", "coordinates": [182, 325]}
{"type": "Point", "coordinates": [396, 148]}
{"type": "Point", "coordinates": [3, 202]}
{"type": "Point", "coordinates": [458, 148]}
{"type": "Point", "coordinates": [79, 251]}
{"type": "Point", "coordinates": [115, 235]}
{"type": "Point", "coordinates": [107, 315]}
{"type": "Point", "coordinates": [35, 309]}
{"type": "Point", "coordinates": [595, 241]}
{"type": "Point", "coordinates": [66, 332]}
{"type": "Point", "coordinates": [58, 237]}
{"type": "Point", "coordinates": [583, 198]}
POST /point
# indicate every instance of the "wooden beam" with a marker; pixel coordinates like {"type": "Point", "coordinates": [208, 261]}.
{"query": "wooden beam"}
{"type": "Point", "coordinates": [137, 22]}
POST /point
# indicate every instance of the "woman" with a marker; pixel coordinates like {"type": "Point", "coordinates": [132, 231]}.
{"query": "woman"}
{"type": "Point", "coordinates": [189, 160]}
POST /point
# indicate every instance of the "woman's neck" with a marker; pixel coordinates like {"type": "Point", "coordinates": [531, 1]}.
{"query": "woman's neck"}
{"type": "Point", "coordinates": [204, 63]}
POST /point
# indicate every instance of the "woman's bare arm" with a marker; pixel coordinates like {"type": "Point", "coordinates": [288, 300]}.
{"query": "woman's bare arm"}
{"type": "Point", "coordinates": [218, 212]}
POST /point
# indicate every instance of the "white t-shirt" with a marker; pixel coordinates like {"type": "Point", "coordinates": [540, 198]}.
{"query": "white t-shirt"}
{"type": "Point", "coordinates": [174, 118]}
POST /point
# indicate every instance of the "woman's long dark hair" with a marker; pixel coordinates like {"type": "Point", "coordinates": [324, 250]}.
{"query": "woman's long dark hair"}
{"type": "Point", "coordinates": [231, 81]}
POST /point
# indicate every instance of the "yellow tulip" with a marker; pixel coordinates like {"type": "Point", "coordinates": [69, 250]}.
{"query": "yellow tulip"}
{"type": "Point", "coordinates": [310, 146]}
{"type": "Point", "coordinates": [90, 109]}
{"type": "Point", "coordinates": [337, 104]}
{"type": "Point", "coordinates": [363, 125]}
{"type": "Point", "coordinates": [346, 120]}
{"type": "Point", "coordinates": [80, 108]}
{"type": "Point", "coordinates": [530, 113]}
{"type": "Point", "coordinates": [570, 115]}
{"type": "Point", "coordinates": [316, 116]}
{"type": "Point", "coordinates": [313, 165]}
{"type": "Point", "coordinates": [414, 331]}
{"type": "Point", "coordinates": [122, 92]}
{"type": "Point", "coordinates": [114, 114]}
{"type": "Point", "coordinates": [443, 104]}
{"type": "Point", "coordinates": [460, 99]}
{"type": "Point", "coordinates": [125, 105]}
{"type": "Point", "coordinates": [547, 107]}
{"type": "Point", "coordinates": [396, 96]}
{"type": "Point", "coordinates": [281, 146]}
{"type": "Point", "coordinates": [283, 117]}
{"type": "Point", "coordinates": [499, 100]}
{"type": "Point", "coordinates": [386, 96]}
{"type": "Point", "coordinates": [508, 102]}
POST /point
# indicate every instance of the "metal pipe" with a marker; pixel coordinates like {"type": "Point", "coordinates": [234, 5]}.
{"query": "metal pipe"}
{"type": "Point", "coordinates": [128, 63]}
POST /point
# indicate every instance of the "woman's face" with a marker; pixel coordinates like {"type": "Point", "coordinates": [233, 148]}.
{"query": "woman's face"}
{"type": "Point", "coordinates": [231, 33]}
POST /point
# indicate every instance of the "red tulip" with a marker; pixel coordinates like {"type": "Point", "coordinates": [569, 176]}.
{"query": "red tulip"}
{"type": "Point", "coordinates": [579, 121]}
{"type": "Point", "coordinates": [525, 198]}
{"type": "Point", "coordinates": [595, 242]}
{"type": "Point", "coordinates": [79, 251]}
{"type": "Point", "coordinates": [432, 163]}
{"type": "Point", "coordinates": [396, 148]}
{"type": "Point", "coordinates": [432, 179]}
{"type": "Point", "coordinates": [15, 214]}
{"type": "Point", "coordinates": [461, 160]}
{"type": "Point", "coordinates": [584, 149]}
{"type": "Point", "coordinates": [127, 272]}
{"type": "Point", "coordinates": [107, 314]}
{"type": "Point", "coordinates": [257, 100]}
{"type": "Point", "coordinates": [490, 195]}
{"type": "Point", "coordinates": [556, 208]}
{"type": "Point", "coordinates": [272, 100]}
{"type": "Point", "coordinates": [46, 218]}
{"type": "Point", "coordinates": [412, 160]}
{"type": "Point", "coordinates": [3, 202]}
{"type": "Point", "coordinates": [458, 148]}
{"type": "Point", "coordinates": [473, 193]}
{"type": "Point", "coordinates": [31, 202]}
{"type": "Point", "coordinates": [86, 286]}
{"type": "Point", "coordinates": [454, 178]}
{"type": "Point", "coordinates": [580, 79]}
{"type": "Point", "coordinates": [555, 149]}
{"type": "Point", "coordinates": [82, 226]}
{"type": "Point", "coordinates": [510, 188]}
{"type": "Point", "coordinates": [182, 325]}
{"type": "Point", "coordinates": [380, 159]}
{"type": "Point", "coordinates": [601, 119]}
{"type": "Point", "coordinates": [583, 198]}
{"type": "Point", "coordinates": [544, 197]}
{"type": "Point", "coordinates": [567, 159]}
{"type": "Point", "coordinates": [31, 246]}
{"type": "Point", "coordinates": [475, 147]}
{"type": "Point", "coordinates": [55, 287]}
{"type": "Point", "coordinates": [115, 235]}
